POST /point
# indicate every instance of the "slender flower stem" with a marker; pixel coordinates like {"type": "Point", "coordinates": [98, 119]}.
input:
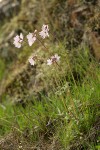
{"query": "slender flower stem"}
{"type": "Point", "coordinates": [55, 37]}
{"type": "Point", "coordinates": [42, 43]}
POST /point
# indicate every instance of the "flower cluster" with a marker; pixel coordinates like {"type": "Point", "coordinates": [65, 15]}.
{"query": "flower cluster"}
{"type": "Point", "coordinates": [32, 37]}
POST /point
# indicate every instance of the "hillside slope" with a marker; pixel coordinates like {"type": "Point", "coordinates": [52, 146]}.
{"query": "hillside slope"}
{"type": "Point", "coordinates": [50, 107]}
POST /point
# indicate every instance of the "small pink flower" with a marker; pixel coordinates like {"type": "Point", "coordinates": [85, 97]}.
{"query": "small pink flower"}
{"type": "Point", "coordinates": [44, 33]}
{"type": "Point", "coordinates": [18, 40]}
{"type": "Point", "coordinates": [31, 61]}
{"type": "Point", "coordinates": [53, 59]}
{"type": "Point", "coordinates": [31, 38]}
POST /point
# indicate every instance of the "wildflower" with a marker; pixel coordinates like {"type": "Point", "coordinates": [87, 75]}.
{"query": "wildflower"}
{"type": "Point", "coordinates": [44, 33]}
{"type": "Point", "coordinates": [18, 40]}
{"type": "Point", "coordinates": [53, 59]}
{"type": "Point", "coordinates": [31, 38]}
{"type": "Point", "coordinates": [31, 61]}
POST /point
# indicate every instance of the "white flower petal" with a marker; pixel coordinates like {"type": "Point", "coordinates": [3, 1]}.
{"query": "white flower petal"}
{"type": "Point", "coordinates": [49, 62]}
{"type": "Point", "coordinates": [31, 61]}
{"type": "Point", "coordinates": [18, 40]}
{"type": "Point", "coordinates": [21, 36]}
{"type": "Point", "coordinates": [31, 38]}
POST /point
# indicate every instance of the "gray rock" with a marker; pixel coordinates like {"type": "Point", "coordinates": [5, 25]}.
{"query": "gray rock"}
{"type": "Point", "coordinates": [8, 8]}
